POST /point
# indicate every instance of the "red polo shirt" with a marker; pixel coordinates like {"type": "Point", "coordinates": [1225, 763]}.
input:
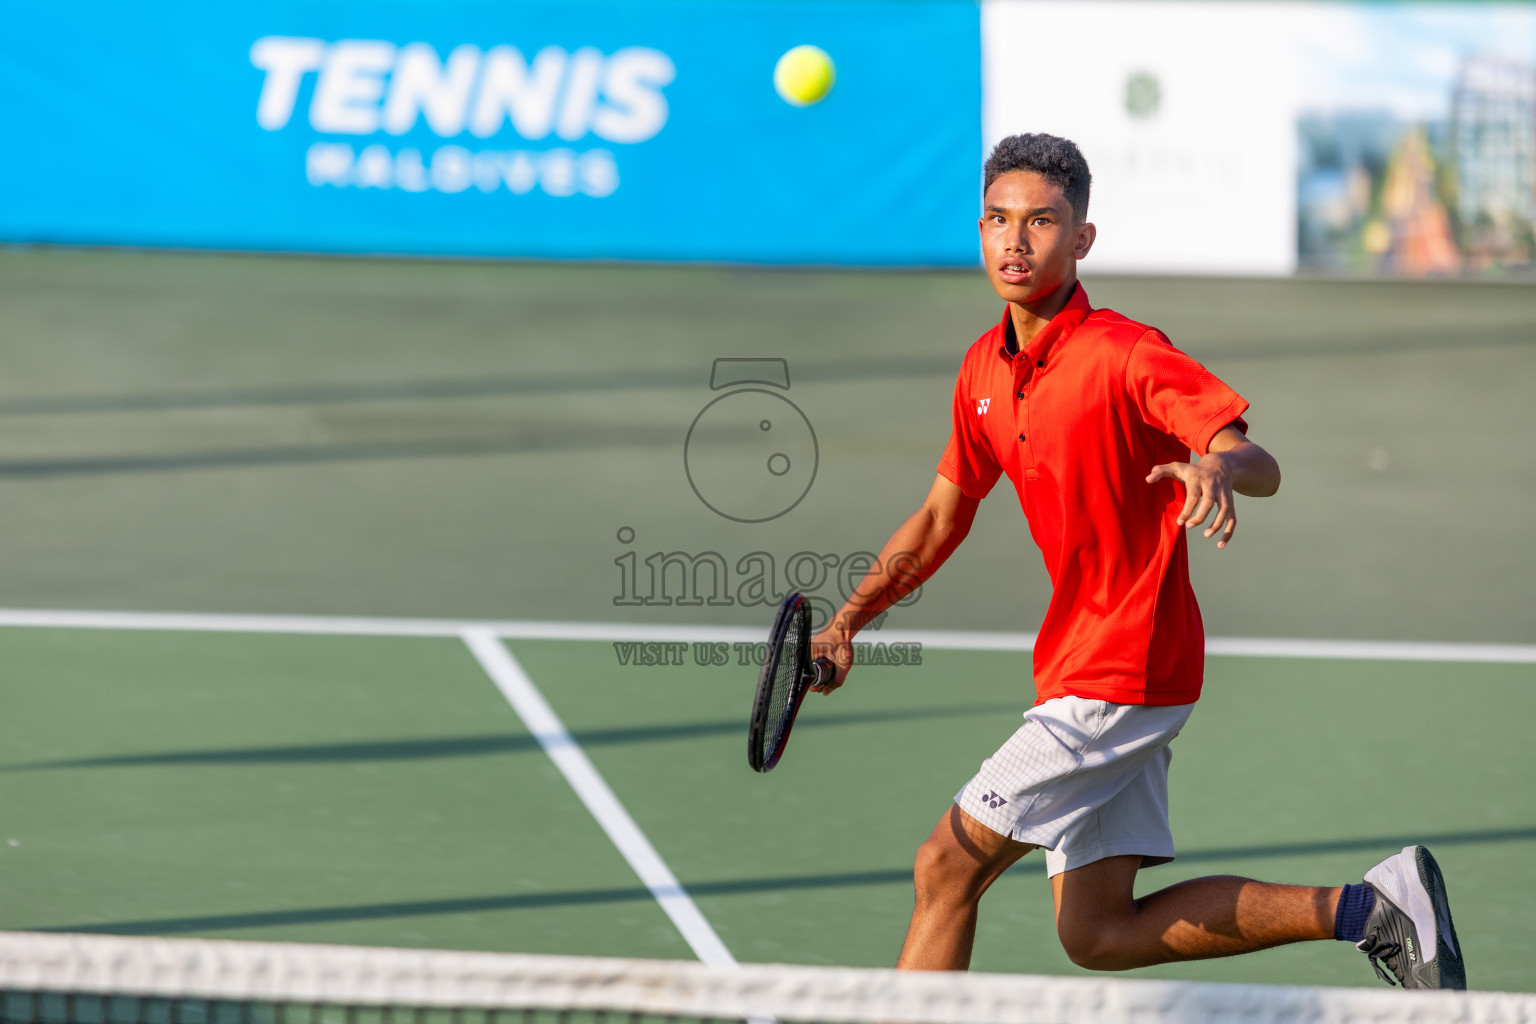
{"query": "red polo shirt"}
{"type": "Point", "coordinates": [1077, 420]}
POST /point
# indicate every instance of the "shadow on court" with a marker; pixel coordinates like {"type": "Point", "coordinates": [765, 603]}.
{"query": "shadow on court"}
{"type": "Point", "coordinates": [480, 746]}
{"type": "Point", "coordinates": [512, 386]}
{"type": "Point", "coordinates": [587, 381]}
{"type": "Point", "coordinates": [526, 901]}
{"type": "Point", "coordinates": [287, 455]}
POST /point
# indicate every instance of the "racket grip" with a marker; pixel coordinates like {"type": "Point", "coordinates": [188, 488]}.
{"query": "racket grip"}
{"type": "Point", "coordinates": [826, 671]}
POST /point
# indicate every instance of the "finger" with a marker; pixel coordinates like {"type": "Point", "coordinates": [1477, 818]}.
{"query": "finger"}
{"type": "Point", "coordinates": [1191, 496]}
{"type": "Point", "coordinates": [1203, 506]}
{"type": "Point", "coordinates": [1226, 536]}
{"type": "Point", "coordinates": [1166, 471]}
{"type": "Point", "coordinates": [831, 674]}
{"type": "Point", "coordinates": [1223, 511]}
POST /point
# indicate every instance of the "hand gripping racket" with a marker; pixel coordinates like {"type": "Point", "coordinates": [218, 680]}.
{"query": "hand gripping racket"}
{"type": "Point", "coordinates": [787, 675]}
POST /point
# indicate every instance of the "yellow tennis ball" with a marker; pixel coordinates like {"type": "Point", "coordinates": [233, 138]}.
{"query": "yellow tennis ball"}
{"type": "Point", "coordinates": [804, 75]}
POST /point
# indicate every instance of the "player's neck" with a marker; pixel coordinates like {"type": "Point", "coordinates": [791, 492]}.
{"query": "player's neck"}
{"type": "Point", "coordinates": [1030, 318]}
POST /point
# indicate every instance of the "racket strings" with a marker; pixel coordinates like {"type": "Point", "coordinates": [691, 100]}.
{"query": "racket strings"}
{"type": "Point", "coordinates": [786, 681]}
{"type": "Point", "coordinates": [782, 683]}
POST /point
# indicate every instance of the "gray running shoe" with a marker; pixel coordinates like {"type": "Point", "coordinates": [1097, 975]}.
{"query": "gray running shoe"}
{"type": "Point", "coordinates": [1410, 927]}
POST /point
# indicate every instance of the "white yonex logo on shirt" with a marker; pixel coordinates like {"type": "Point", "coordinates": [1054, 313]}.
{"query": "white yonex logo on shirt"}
{"type": "Point", "coordinates": [992, 800]}
{"type": "Point", "coordinates": [981, 406]}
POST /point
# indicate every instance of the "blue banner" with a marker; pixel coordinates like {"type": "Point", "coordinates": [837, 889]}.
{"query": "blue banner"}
{"type": "Point", "coordinates": [585, 130]}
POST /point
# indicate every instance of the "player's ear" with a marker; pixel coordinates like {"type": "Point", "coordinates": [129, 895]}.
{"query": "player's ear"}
{"type": "Point", "coordinates": [1086, 233]}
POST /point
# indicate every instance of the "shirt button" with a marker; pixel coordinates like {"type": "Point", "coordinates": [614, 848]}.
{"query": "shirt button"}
{"type": "Point", "coordinates": [1021, 437]}
{"type": "Point", "coordinates": [1021, 396]}
{"type": "Point", "coordinates": [1041, 364]}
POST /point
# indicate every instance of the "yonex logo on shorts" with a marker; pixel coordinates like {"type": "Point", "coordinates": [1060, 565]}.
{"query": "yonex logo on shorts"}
{"type": "Point", "coordinates": [981, 406]}
{"type": "Point", "coordinates": [992, 800]}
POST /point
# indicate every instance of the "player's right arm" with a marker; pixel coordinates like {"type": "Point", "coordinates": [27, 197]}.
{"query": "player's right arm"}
{"type": "Point", "coordinates": [913, 554]}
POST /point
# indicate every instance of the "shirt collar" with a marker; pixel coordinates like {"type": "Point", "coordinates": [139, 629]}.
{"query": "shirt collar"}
{"type": "Point", "coordinates": [1058, 329]}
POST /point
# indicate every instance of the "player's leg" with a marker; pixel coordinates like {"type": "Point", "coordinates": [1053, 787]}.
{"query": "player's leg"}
{"type": "Point", "coordinates": [1399, 916]}
{"type": "Point", "coordinates": [1104, 927]}
{"type": "Point", "coordinates": [958, 861]}
{"type": "Point", "coordinates": [1070, 755]}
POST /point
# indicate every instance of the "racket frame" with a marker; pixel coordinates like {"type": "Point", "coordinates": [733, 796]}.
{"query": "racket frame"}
{"type": "Point", "coordinates": [792, 607]}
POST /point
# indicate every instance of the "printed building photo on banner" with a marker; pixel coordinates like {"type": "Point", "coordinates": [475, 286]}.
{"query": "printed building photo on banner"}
{"type": "Point", "coordinates": [1416, 136]}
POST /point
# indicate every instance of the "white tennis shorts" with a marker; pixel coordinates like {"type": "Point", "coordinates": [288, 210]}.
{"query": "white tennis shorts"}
{"type": "Point", "coordinates": [1082, 779]}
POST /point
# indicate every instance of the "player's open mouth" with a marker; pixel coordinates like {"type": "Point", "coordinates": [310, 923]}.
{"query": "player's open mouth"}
{"type": "Point", "coordinates": [1014, 273]}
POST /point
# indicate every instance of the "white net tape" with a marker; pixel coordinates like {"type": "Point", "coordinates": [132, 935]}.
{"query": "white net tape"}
{"type": "Point", "coordinates": [365, 976]}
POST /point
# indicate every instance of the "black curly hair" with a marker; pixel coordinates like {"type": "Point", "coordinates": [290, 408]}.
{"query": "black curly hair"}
{"type": "Point", "coordinates": [1055, 159]}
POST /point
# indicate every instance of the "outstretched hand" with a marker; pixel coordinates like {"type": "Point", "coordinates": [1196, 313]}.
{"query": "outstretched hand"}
{"type": "Point", "coordinates": [1207, 488]}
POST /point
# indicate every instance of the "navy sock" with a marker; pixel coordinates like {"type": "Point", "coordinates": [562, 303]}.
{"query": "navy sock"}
{"type": "Point", "coordinates": [1355, 905]}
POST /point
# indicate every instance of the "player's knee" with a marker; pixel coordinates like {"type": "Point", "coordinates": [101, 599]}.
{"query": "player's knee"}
{"type": "Point", "coordinates": [940, 869]}
{"type": "Point", "coordinates": [933, 865]}
{"type": "Point", "coordinates": [1087, 947]}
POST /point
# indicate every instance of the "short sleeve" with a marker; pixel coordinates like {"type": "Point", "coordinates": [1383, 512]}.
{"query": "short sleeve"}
{"type": "Point", "coordinates": [1177, 395]}
{"type": "Point", "coordinates": [968, 462]}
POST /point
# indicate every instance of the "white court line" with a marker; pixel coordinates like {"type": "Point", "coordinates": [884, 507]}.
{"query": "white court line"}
{"type": "Point", "coordinates": [963, 640]}
{"type": "Point", "coordinates": [1372, 650]}
{"type": "Point", "coordinates": [584, 778]}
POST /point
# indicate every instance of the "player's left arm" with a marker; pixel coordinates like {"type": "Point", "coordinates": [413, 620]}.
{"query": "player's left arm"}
{"type": "Point", "coordinates": [1232, 463]}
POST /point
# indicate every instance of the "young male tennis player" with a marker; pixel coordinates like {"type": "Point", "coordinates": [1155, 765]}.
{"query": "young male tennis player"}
{"type": "Point", "coordinates": [1092, 417]}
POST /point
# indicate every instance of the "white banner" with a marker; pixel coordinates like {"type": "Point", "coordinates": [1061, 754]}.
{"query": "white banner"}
{"type": "Point", "coordinates": [1185, 111]}
{"type": "Point", "coordinates": [1252, 138]}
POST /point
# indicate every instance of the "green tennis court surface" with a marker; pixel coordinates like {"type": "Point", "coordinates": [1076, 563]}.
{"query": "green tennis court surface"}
{"type": "Point", "coordinates": [379, 790]}
{"type": "Point", "coordinates": [345, 437]}
{"type": "Point", "coordinates": [236, 434]}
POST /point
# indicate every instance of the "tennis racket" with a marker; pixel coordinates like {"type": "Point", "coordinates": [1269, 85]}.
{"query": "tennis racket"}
{"type": "Point", "coordinates": [787, 675]}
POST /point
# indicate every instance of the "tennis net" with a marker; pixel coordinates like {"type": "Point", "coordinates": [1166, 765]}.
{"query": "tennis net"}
{"type": "Point", "coordinates": [101, 979]}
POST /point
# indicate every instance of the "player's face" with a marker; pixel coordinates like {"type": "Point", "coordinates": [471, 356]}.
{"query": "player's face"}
{"type": "Point", "coordinates": [1030, 238]}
